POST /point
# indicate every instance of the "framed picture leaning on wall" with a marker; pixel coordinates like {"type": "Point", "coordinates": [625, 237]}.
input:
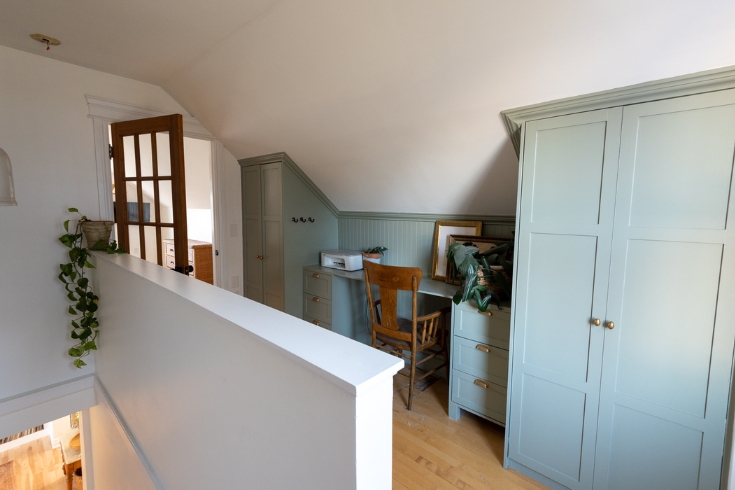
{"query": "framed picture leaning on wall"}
{"type": "Point", "coordinates": [442, 230]}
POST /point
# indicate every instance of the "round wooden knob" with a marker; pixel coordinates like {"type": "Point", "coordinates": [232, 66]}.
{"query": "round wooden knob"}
{"type": "Point", "coordinates": [610, 325]}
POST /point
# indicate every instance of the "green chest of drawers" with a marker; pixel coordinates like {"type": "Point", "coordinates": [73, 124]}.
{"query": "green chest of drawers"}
{"type": "Point", "coordinates": [479, 376]}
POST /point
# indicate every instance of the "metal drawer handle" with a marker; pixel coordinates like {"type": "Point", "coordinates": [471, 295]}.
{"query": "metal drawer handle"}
{"type": "Point", "coordinates": [481, 383]}
{"type": "Point", "coordinates": [316, 276]}
{"type": "Point", "coordinates": [483, 348]}
{"type": "Point", "coordinates": [488, 313]}
{"type": "Point", "coordinates": [315, 299]}
{"type": "Point", "coordinates": [316, 323]}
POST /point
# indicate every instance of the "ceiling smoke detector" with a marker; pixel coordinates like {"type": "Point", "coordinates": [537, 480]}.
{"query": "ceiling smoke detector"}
{"type": "Point", "coordinates": [47, 40]}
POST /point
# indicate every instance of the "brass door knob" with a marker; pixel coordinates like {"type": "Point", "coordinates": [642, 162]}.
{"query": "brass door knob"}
{"type": "Point", "coordinates": [610, 325]}
{"type": "Point", "coordinates": [316, 276]}
{"type": "Point", "coordinates": [259, 257]}
{"type": "Point", "coordinates": [596, 322]}
{"type": "Point", "coordinates": [315, 300]}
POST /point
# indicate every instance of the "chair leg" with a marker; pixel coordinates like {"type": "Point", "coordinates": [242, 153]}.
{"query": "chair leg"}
{"type": "Point", "coordinates": [412, 379]}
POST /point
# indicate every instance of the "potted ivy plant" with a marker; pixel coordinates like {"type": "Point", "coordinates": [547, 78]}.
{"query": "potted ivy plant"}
{"type": "Point", "coordinates": [78, 288]}
{"type": "Point", "coordinates": [486, 276]}
{"type": "Point", "coordinates": [373, 254]}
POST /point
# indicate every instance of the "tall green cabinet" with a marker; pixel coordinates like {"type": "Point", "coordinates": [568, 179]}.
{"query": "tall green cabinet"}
{"type": "Point", "coordinates": [286, 222]}
{"type": "Point", "coordinates": [624, 307]}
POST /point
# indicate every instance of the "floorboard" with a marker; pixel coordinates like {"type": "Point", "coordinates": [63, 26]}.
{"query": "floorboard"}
{"type": "Point", "coordinates": [432, 451]}
{"type": "Point", "coordinates": [37, 465]}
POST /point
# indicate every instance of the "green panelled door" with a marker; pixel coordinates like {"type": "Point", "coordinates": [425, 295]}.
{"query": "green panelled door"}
{"type": "Point", "coordinates": [567, 204]}
{"type": "Point", "coordinates": [667, 363]}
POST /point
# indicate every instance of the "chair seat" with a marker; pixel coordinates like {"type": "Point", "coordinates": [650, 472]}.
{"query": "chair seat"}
{"type": "Point", "coordinates": [405, 326]}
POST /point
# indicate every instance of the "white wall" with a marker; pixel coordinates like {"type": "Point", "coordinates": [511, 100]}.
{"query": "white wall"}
{"type": "Point", "coordinates": [231, 242]}
{"type": "Point", "coordinates": [218, 391]}
{"type": "Point", "coordinates": [46, 132]}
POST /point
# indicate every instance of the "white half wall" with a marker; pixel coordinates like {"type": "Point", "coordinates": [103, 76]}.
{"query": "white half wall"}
{"type": "Point", "coordinates": [45, 130]}
{"type": "Point", "coordinates": [217, 391]}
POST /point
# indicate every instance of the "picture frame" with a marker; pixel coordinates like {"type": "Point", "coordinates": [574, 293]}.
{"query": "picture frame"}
{"type": "Point", "coordinates": [483, 244]}
{"type": "Point", "coordinates": [442, 230]}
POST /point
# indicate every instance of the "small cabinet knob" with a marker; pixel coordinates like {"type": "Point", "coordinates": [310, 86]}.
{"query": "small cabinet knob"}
{"type": "Point", "coordinates": [596, 322]}
{"type": "Point", "coordinates": [259, 257]}
{"type": "Point", "coordinates": [315, 299]}
{"type": "Point", "coordinates": [610, 325]}
{"type": "Point", "coordinates": [315, 276]}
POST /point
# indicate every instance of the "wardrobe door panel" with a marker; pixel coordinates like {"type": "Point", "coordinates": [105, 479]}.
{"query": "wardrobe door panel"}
{"type": "Point", "coordinates": [667, 361]}
{"type": "Point", "coordinates": [683, 168]}
{"type": "Point", "coordinates": [567, 173]}
{"type": "Point", "coordinates": [562, 264]}
{"type": "Point", "coordinates": [252, 233]}
{"type": "Point", "coordinates": [562, 272]}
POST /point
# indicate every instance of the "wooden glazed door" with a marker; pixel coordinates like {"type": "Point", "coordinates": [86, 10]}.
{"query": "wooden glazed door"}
{"type": "Point", "coordinates": [567, 204]}
{"type": "Point", "coordinates": [150, 192]}
{"type": "Point", "coordinates": [668, 359]}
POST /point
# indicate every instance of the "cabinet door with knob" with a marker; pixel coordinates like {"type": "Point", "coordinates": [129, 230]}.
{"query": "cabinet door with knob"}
{"type": "Point", "coordinates": [263, 234]}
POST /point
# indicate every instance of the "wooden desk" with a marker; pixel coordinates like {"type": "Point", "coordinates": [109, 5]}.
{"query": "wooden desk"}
{"type": "Point", "coordinates": [72, 457]}
{"type": "Point", "coordinates": [478, 343]}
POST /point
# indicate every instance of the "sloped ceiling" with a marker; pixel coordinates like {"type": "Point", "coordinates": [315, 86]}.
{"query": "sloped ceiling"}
{"type": "Point", "coordinates": [388, 105]}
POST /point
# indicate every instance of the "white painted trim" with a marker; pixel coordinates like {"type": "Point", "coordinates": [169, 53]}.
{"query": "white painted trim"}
{"type": "Point", "coordinates": [102, 394]}
{"type": "Point", "coordinates": [118, 111]}
{"type": "Point", "coordinates": [104, 174]}
{"type": "Point", "coordinates": [26, 439]}
{"type": "Point", "coordinates": [85, 433]}
{"type": "Point", "coordinates": [219, 222]}
{"type": "Point", "coordinates": [36, 407]}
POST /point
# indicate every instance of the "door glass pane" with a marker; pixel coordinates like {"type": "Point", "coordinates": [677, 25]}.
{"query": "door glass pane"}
{"type": "Point", "coordinates": [151, 244]}
{"type": "Point", "coordinates": [166, 198]}
{"type": "Point", "coordinates": [129, 150]}
{"type": "Point", "coordinates": [149, 207]}
{"type": "Point", "coordinates": [134, 239]}
{"type": "Point", "coordinates": [167, 252]}
{"type": "Point", "coordinates": [131, 188]}
{"type": "Point", "coordinates": [146, 155]}
{"type": "Point", "coordinates": [163, 153]}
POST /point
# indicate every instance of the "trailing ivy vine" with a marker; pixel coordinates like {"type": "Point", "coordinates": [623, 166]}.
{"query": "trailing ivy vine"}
{"type": "Point", "coordinates": [85, 326]}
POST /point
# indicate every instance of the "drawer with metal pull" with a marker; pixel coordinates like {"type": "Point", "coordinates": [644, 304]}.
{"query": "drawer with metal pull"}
{"type": "Point", "coordinates": [491, 327]}
{"type": "Point", "coordinates": [481, 360]}
{"type": "Point", "coordinates": [318, 323]}
{"type": "Point", "coordinates": [318, 284]}
{"type": "Point", "coordinates": [479, 395]}
{"type": "Point", "coordinates": [317, 308]}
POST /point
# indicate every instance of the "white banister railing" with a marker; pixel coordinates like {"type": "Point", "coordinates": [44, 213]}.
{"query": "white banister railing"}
{"type": "Point", "coordinates": [217, 391]}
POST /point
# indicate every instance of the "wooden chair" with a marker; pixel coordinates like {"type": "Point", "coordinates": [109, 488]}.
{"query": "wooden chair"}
{"type": "Point", "coordinates": [397, 335]}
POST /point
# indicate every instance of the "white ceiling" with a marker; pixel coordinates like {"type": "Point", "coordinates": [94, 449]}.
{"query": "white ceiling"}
{"type": "Point", "coordinates": [388, 105]}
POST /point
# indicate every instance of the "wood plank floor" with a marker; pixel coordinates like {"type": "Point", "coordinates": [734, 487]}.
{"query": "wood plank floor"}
{"type": "Point", "coordinates": [37, 466]}
{"type": "Point", "coordinates": [432, 451]}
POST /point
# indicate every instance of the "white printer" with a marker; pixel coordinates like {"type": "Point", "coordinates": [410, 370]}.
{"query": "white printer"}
{"type": "Point", "coordinates": [344, 260]}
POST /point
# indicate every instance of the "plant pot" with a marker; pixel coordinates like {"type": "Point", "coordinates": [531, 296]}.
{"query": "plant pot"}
{"type": "Point", "coordinates": [371, 257]}
{"type": "Point", "coordinates": [97, 234]}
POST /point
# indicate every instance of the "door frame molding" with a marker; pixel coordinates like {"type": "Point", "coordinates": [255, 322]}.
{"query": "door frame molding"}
{"type": "Point", "coordinates": [104, 112]}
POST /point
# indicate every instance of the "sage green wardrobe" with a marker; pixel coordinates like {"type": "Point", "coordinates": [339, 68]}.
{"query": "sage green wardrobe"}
{"type": "Point", "coordinates": [275, 248]}
{"type": "Point", "coordinates": [626, 216]}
